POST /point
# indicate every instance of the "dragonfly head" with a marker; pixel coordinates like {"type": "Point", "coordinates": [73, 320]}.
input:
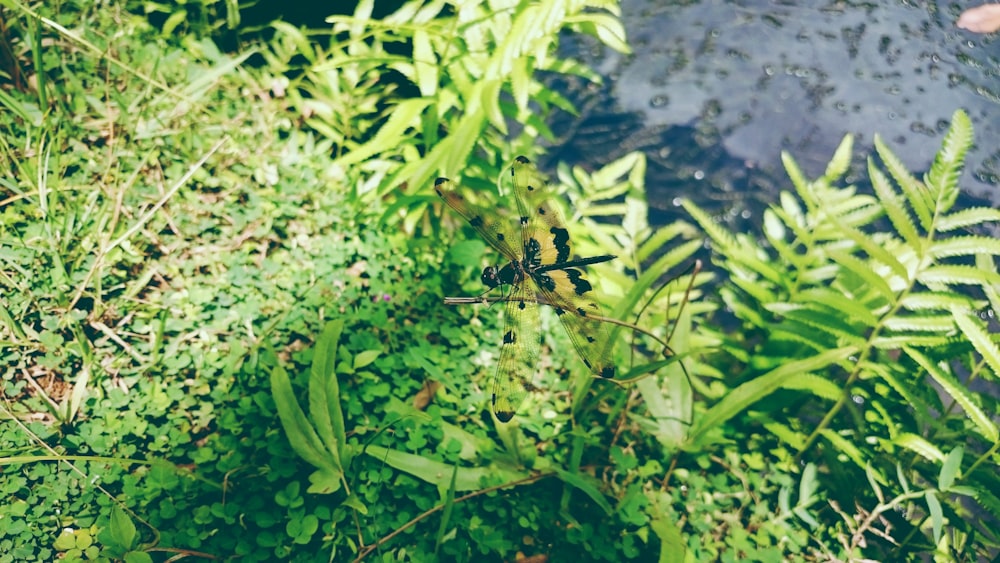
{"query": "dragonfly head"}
{"type": "Point", "coordinates": [491, 277]}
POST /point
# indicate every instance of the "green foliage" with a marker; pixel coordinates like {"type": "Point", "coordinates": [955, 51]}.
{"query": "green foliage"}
{"type": "Point", "coordinates": [204, 320]}
{"type": "Point", "coordinates": [867, 305]}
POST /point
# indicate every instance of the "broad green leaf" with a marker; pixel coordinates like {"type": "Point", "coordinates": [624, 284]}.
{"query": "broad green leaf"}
{"type": "Point", "coordinates": [324, 391]}
{"type": "Point", "coordinates": [925, 323]}
{"type": "Point", "coordinates": [301, 435]}
{"type": "Point", "coordinates": [936, 514]}
{"type": "Point", "coordinates": [920, 446]}
{"type": "Point", "coordinates": [940, 300]}
{"type": "Point", "coordinates": [121, 529]}
{"type": "Point", "coordinates": [958, 392]}
{"type": "Point", "coordinates": [950, 468]}
{"type": "Point", "coordinates": [441, 474]}
{"type": "Point", "coordinates": [365, 358]}
{"type": "Point", "coordinates": [752, 391]}
{"type": "Point", "coordinates": [795, 174]}
{"type": "Point", "coordinates": [586, 484]}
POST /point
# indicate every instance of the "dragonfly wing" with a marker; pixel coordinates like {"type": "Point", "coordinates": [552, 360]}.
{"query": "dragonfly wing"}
{"type": "Point", "coordinates": [488, 223]}
{"type": "Point", "coordinates": [547, 243]}
{"type": "Point", "coordinates": [518, 352]}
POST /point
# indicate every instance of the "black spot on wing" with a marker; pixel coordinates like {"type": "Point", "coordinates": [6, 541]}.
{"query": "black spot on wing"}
{"type": "Point", "coordinates": [580, 284]}
{"type": "Point", "coordinates": [522, 160]}
{"type": "Point", "coordinates": [608, 372]}
{"type": "Point", "coordinates": [560, 239]}
{"type": "Point", "coordinates": [476, 222]}
{"type": "Point", "coordinates": [509, 337]}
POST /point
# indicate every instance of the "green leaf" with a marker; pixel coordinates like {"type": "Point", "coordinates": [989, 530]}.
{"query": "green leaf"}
{"type": "Point", "coordinates": [957, 274]}
{"type": "Point", "coordinates": [324, 392]}
{"type": "Point", "coordinates": [936, 514]}
{"type": "Point", "coordinates": [587, 485]}
{"type": "Point", "coordinates": [959, 393]}
{"type": "Point", "coordinates": [365, 358]}
{"type": "Point", "coordinates": [981, 340]}
{"type": "Point", "coordinates": [915, 192]}
{"type": "Point", "coordinates": [949, 470]}
{"type": "Point", "coordinates": [405, 115]}
{"type": "Point", "coordinates": [965, 246]}
{"type": "Point", "coordinates": [441, 474]}
{"type": "Point", "coordinates": [968, 217]}
{"type": "Point", "coordinates": [893, 206]}
{"type": "Point", "coordinates": [919, 445]}
{"type": "Point", "coordinates": [756, 389]}
{"type": "Point", "coordinates": [841, 160]}
{"type": "Point", "coordinates": [301, 435]}
{"type": "Point", "coordinates": [122, 532]}
{"type": "Point", "coordinates": [942, 179]}
{"type": "Point", "coordinates": [425, 63]}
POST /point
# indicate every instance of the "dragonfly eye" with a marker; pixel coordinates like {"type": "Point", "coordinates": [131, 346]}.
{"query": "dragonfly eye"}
{"type": "Point", "coordinates": [490, 277]}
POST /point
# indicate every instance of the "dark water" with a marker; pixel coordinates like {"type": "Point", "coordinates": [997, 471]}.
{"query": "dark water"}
{"type": "Point", "coordinates": [716, 90]}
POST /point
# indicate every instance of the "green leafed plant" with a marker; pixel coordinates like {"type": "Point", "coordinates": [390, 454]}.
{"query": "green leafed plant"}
{"type": "Point", "coordinates": [319, 437]}
{"type": "Point", "coordinates": [861, 339]}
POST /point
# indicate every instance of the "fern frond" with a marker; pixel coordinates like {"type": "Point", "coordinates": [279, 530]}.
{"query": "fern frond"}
{"type": "Point", "coordinates": [973, 329]}
{"type": "Point", "coordinates": [863, 270]}
{"type": "Point", "coordinates": [957, 274]}
{"type": "Point", "coordinates": [939, 300]}
{"type": "Point", "coordinates": [891, 202]}
{"type": "Point", "coordinates": [968, 217]}
{"type": "Point", "coordinates": [897, 341]}
{"type": "Point", "coordinates": [799, 181]}
{"type": "Point", "coordinates": [942, 179]}
{"type": "Point", "coordinates": [841, 160]}
{"type": "Point", "coordinates": [819, 275]}
{"type": "Point", "coordinates": [925, 323]}
{"type": "Point", "coordinates": [837, 301]}
{"type": "Point", "coordinates": [957, 391]}
{"type": "Point", "coordinates": [965, 246]}
{"type": "Point", "coordinates": [876, 250]}
{"type": "Point", "coordinates": [916, 193]}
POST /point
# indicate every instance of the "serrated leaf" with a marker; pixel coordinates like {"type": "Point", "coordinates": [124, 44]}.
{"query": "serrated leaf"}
{"type": "Point", "coordinates": [953, 274]}
{"type": "Point", "coordinates": [915, 192]}
{"type": "Point", "coordinates": [942, 179]}
{"type": "Point", "coordinates": [424, 62]}
{"type": "Point", "coordinates": [981, 340]}
{"type": "Point", "coordinates": [841, 160]}
{"type": "Point", "coordinates": [924, 323]}
{"type": "Point", "coordinates": [892, 204]}
{"type": "Point", "coordinates": [403, 116]}
{"type": "Point", "coordinates": [968, 217]}
{"type": "Point", "coordinates": [958, 392]}
{"type": "Point", "coordinates": [863, 270]}
{"type": "Point", "coordinates": [965, 246]}
{"type": "Point", "coordinates": [300, 432]}
{"type": "Point", "coordinates": [929, 300]}
{"type": "Point", "coordinates": [920, 446]}
{"type": "Point", "coordinates": [799, 181]}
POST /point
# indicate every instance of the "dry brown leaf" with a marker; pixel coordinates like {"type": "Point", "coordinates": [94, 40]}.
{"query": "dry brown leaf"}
{"type": "Point", "coordinates": [981, 19]}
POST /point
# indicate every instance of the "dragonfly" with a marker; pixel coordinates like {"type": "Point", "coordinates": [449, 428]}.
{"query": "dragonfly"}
{"type": "Point", "coordinates": [541, 269]}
